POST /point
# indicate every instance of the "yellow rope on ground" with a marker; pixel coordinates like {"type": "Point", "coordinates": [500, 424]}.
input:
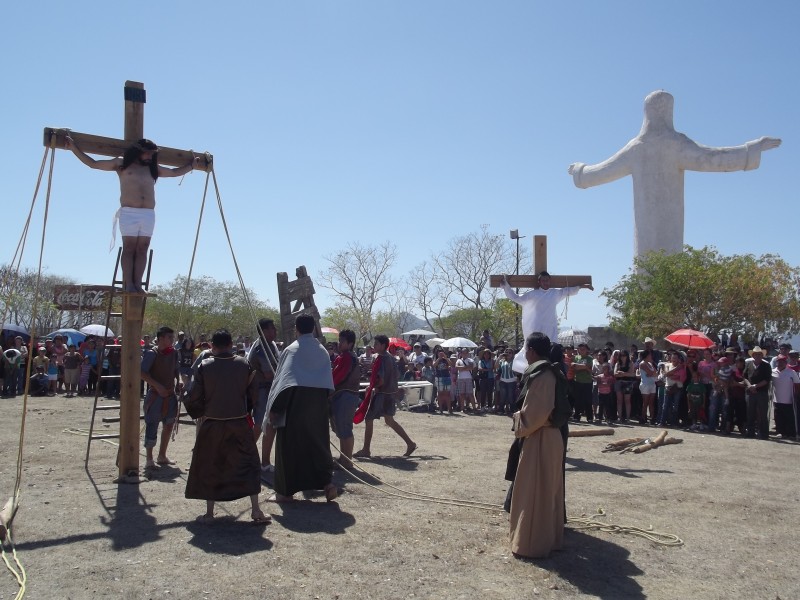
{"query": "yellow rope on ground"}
{"type": "Point", "coordinates": [85, 432]}
{"type": "Point", "coordinates": [663, 539]}
{"type": "Point", "coordinates": [19, 571]}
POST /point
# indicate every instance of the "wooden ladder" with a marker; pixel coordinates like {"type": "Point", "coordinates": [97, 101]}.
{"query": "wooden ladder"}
{"type": "Point", "coordinates": [116, 290]}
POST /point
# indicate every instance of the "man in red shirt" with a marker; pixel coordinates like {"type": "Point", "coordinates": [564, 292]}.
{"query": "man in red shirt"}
{"type": "Point", "coordinates": [345, 400]}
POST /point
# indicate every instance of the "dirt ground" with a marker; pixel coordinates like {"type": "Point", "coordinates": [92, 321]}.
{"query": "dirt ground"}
{"type": "Point", "coordinates": [735, 502]}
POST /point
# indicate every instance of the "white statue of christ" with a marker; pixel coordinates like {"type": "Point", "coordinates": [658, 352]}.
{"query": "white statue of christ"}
{"type": "Point", "coordinates": [657, 158]}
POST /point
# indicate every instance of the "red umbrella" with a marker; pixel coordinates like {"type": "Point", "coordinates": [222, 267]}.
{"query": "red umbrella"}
{"type": "Point", "coordinates": [399, 343]}
{"type": "Point", "coordinates": [689, 338]}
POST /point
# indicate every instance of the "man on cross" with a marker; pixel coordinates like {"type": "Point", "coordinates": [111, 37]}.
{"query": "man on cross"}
{"type": "Point", "coordinates": [138, 171]}
{"type": "Point", "coordinates": [539, 310]}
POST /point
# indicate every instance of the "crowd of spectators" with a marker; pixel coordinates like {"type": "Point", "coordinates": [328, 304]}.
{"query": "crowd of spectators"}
{"type": "Point", "coordinates": [721, 389]}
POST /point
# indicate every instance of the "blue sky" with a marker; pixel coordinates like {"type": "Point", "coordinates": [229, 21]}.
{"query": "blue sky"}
{"type": "Point", "coordinates": [414, 121]}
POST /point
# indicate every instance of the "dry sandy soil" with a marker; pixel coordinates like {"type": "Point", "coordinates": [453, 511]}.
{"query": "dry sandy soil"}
{"type": "Point", "coordinates": [733, 501]}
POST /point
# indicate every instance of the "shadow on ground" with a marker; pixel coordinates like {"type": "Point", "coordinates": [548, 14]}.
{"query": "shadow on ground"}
{"type": "Point", "coordinates": [305, 516]}
{"type": "Point", "coordinates": [595, 566]}
{"type": "Point", "coordinates": [579, 464]}
{"type": "Point", "coordinates": [229, 536]}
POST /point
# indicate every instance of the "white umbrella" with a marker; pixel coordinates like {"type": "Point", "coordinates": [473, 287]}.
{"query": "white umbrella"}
{"type": "Point", "coordinates": [433, 342]}
{"type": "Point", "coordinates": [97, 330]}
{"type": "Point", "coordinates": [418, 332]}
{"type": "Point", "coordinates": [458, 342]}
{"type": "Point", "coordinates": [573, 337]}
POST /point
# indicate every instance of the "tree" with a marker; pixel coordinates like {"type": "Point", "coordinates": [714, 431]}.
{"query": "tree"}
{"type": "Point", "coordinates": [360, 278]}
{"type": "Point", "coordinates": [210, 305]}
{"type": "Point", "coordinates": [458, 279]}
{"type": "Point", "coordinates": [703, 290]}
{"type": "Point", "coordinates": [17, 300]}
{"type": "Point", "coordinates": [430, 293]}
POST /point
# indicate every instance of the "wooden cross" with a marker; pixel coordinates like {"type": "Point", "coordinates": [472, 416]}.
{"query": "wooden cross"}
{"type": "Point", "coordinates": [540, 264]}
{"type": "Point", "coordinates": [133, 304]}
{"type": "Point", "coordinates": [135, 97]}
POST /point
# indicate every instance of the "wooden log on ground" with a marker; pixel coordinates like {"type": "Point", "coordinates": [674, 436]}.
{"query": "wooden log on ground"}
{"type": "Point", "coordinates": [657, 441]}
{"type": "Point", "coordinates": [622, 444]}
{"type": "Point", "coordinates": [6, 516]}
{"type": "Point", "coordinates": [590, 432]}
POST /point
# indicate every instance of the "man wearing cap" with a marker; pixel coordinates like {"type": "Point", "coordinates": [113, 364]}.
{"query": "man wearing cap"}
{"type": "Point", "coordinates": [783, 350]}
{"type": "Point", "coordinates": [417, 357]}
{"type": "Point", "coordinates": [757, 377]}
{"type": "Point", "coordinates": [786, 388]}
{"type": "Point", "coordinates": [539, 310]}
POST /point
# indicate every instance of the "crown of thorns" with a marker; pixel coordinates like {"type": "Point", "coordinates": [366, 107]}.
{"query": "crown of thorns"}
{"type": "Point", "coordinates": [146, 145]}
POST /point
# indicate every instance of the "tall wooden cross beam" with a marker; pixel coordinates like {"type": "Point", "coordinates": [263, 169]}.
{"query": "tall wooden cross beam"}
{"type": "Point", "coordinates": [539, 265]}
{"type": "Point", "coordinates": [133, 304]}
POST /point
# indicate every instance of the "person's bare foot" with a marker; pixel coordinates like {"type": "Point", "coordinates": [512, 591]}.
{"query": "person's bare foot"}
{"type": "Point", "coordinates": [280, 498]}
{"type": "Point", "coordinates": [164, 461]}
{"type": "Point", "coordinates": [205, 519]}
{"type": "Point", "coordinates": [362, 454]}
{"type": "Point", "coordinates": [410, 449]}
{"type": "Point", "coordinates": [259, 517]}
{"type": "Point", "coordinates": [331, 492]}
{"type": "Point", "coordinates": [150, 464]}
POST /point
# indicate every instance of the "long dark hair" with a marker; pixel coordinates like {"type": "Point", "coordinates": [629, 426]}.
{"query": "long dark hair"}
{"type": "Point", "coordinates": [133, 153]}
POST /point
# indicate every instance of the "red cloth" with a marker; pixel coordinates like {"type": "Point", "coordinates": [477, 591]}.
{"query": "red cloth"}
{"type": "Point", "coordinates": [363, 408]}
{"type": "Point", "coordinates": [342, 367]}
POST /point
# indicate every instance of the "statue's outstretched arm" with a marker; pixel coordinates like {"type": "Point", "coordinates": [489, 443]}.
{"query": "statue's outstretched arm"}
{"type": "Point", "coordinates": [697, 157]}
{"type": "Point", "coordinates": [614, 168]}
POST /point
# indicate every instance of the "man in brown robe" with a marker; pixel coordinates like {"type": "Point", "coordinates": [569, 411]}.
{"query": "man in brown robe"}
{"type": "Point", "coordinates": [225, 463]}
{"type": "Point", "coordinates": [537, 502]}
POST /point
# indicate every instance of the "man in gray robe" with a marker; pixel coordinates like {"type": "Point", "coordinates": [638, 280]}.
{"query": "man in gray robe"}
{"type": "Point", "coordinates": [298, 409]}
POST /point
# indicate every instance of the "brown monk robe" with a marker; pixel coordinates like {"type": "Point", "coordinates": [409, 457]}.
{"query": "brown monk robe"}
{"type": "Point", "coordinates": [225, 462]}
{"type": "Point", "coordinates": [537, 502]}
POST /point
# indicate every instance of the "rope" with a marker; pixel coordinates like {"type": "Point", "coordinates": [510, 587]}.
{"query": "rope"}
{"type": "Point", "coordinates": [245, 294]}
{"type": "Point", "coordinates": [664, 539]}
{"type": "Point", "coordinates": [16, 569]}
{"type": "Point", "coordinates": [21, 244]}
{"type": "Point", "coordinates": [415, 495]}
{"type": "Point", "coordinates": [19, 572]}
{"type": "Point", "coordinates": [194, 250]}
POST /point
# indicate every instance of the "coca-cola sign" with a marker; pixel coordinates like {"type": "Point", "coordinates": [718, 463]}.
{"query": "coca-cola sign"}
{"type": "Point", "coordinates": [82, 297]}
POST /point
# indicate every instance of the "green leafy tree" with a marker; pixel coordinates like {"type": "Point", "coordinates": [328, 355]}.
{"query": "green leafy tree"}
{"type": "Point", "coordinates": [701, 289]}
{"type": "Point", "coordinates": [210, 305]}
{"type": "Point", "coordinates": [19, 296]}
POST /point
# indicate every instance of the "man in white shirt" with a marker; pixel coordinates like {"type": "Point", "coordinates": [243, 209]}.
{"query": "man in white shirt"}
{"type": "Point", "coordinates": [466, 387]}
{"type": "Point", "coordinates": [417, 357]}
{"type": "Point", "coordinates": [539, 310]}
{"type": "Point", "coordinates": [785, 388]}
